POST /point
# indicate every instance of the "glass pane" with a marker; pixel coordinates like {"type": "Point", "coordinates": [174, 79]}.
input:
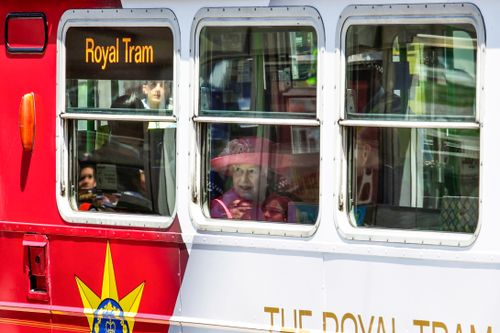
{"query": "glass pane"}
{"type": "Point", "coordinates": [124, 166]}
{"type": "Point", "coordinates": [412, 72]}
{"type": "Point", "coordinates": [107, 65]}
{"type": "Point", "coordinates": [262, 173]}
{"type": "Point", "coordinates": [119, 96]}
{"type": "Point", "coordinates": [425, 179]}
{"type": "Point", "coordinates": [258, 71]}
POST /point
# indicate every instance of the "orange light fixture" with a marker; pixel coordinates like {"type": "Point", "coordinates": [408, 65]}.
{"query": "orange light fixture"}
{"type": "Point", "coordinates": [27, 121]}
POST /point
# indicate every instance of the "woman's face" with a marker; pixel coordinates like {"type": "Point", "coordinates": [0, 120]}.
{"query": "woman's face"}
{"type": "Point", "coordinates": [248, 181]}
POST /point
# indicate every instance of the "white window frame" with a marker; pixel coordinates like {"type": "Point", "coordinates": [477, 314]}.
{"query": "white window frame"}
{"type": "Point", "coordinates": [106, 18]}
{"type": "Point", "coordinates": [250, 17]}
{"type": "Point", "coordinates": [405, 14]}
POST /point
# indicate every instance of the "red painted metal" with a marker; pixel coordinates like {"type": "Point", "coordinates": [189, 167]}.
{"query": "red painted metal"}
{"type": "Point", "coordinates": [29, 216]}
{"type": "Point", "coordinates": [172, 235]}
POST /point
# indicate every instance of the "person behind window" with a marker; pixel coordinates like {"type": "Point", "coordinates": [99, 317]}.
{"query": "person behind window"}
{"type": "Point", "coordinates": [157, 95]}
{"type": "Point", "coordinates": [86, 186]}
{"type": "Point", "coordinates": [382, 100]}
{"type": "Point", "coordinates": [247, 162]}
{"type": "Point", "coordinates": [161, 138]}
{"type": "Point", "coordinates": [275, 208]}
{"type": "Point", "coordinates": [87, 177]}
{"type": "Point", "coordinates": [120, 160]}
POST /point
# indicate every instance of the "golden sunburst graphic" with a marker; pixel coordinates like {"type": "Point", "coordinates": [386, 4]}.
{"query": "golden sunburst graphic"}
{"type": "Point", "coordinates": [108, 314]}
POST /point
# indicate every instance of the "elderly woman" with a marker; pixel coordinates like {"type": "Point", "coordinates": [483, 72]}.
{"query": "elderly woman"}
{"type": "Point", "coordinates": [247, 162]}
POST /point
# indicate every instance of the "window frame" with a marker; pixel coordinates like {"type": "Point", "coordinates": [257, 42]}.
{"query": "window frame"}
{"type": "Point", "coordinates": [249, 17]}
{"type": "Point", "coordinates": [107, 18]}
{"type": "Point", "coordinates": [440, 13]}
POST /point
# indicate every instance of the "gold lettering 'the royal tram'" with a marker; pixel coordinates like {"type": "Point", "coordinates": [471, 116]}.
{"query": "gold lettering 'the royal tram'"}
{"type": "Point", "coordinates": [348, 322]}
{"type": "Point", "coordinates": [427, 326]}
{"type": "Point", "coordinates": [110, 54]}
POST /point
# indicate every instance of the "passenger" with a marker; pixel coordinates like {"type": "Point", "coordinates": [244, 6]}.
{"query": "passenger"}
{"type": "Point", "coordinates": [86, 186]}
{"type": "Point", "coordinates": [382, 100]}
{"type": "Point", "coordinates": [242, 200]}
{"type": "Point", "coordinates": [122, 159]}
{"type": "Point", "coordinates": [247, 161]}
{"type": "Point", "coordinates": [157, 95]}
{"type": "Point", "coordinates": [161, 138]}
{"type": "Point", "coordinates": [87, 177]}
{"type": "Point", "coordinates": [275, 208]}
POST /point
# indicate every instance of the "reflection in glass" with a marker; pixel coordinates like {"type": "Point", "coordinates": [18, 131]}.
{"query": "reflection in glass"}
{"type": "Point", "coordinates": [262, 173]}
{"type": "Point", "coordinates": [258, 71]}
{"type": "Point", "coordinates": [406, 178]}
{"type": "Point", "coordinates": [411, 72]}
{"type": "Point", "coordinates": [124, 166]}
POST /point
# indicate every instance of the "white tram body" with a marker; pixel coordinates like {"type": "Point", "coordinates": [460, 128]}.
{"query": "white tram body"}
{"type": "Point", "coordinates": [334, 276]}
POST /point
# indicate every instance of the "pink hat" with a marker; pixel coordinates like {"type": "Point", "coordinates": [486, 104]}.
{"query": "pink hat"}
{"type": "Point", "coordinates": [250, 150]}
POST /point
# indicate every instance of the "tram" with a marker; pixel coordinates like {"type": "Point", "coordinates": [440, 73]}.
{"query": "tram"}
{"type": "Point", "coordinates": [264, 166]}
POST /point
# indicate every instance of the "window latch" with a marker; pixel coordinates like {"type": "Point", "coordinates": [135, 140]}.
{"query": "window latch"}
{"type": "Point", "coordinates": [63, 188]}
{"type": "Point", "coordinates": [194, 195]}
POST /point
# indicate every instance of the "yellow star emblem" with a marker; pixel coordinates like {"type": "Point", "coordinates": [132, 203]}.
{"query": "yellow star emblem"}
{"type": "Point", "coordinates": [108, 314]}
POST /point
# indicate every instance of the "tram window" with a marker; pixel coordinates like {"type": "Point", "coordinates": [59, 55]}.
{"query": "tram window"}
{"type": "Point", "coordinates": [424, 175]}
{"type": "Point", "coordinates": [255, 171]}
{"type": "Point", "coordinates": [262, 172]}
{"type": "Point", "coordinates": [124, 166]}
{"type": "Point", "coordinates": [258, 71]}
{"type": "Point", "coordinates": [119, 119]}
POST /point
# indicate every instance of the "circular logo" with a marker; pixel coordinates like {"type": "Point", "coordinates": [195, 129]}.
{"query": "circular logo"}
{"type": "Point", "coordinates": [108, 318]}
